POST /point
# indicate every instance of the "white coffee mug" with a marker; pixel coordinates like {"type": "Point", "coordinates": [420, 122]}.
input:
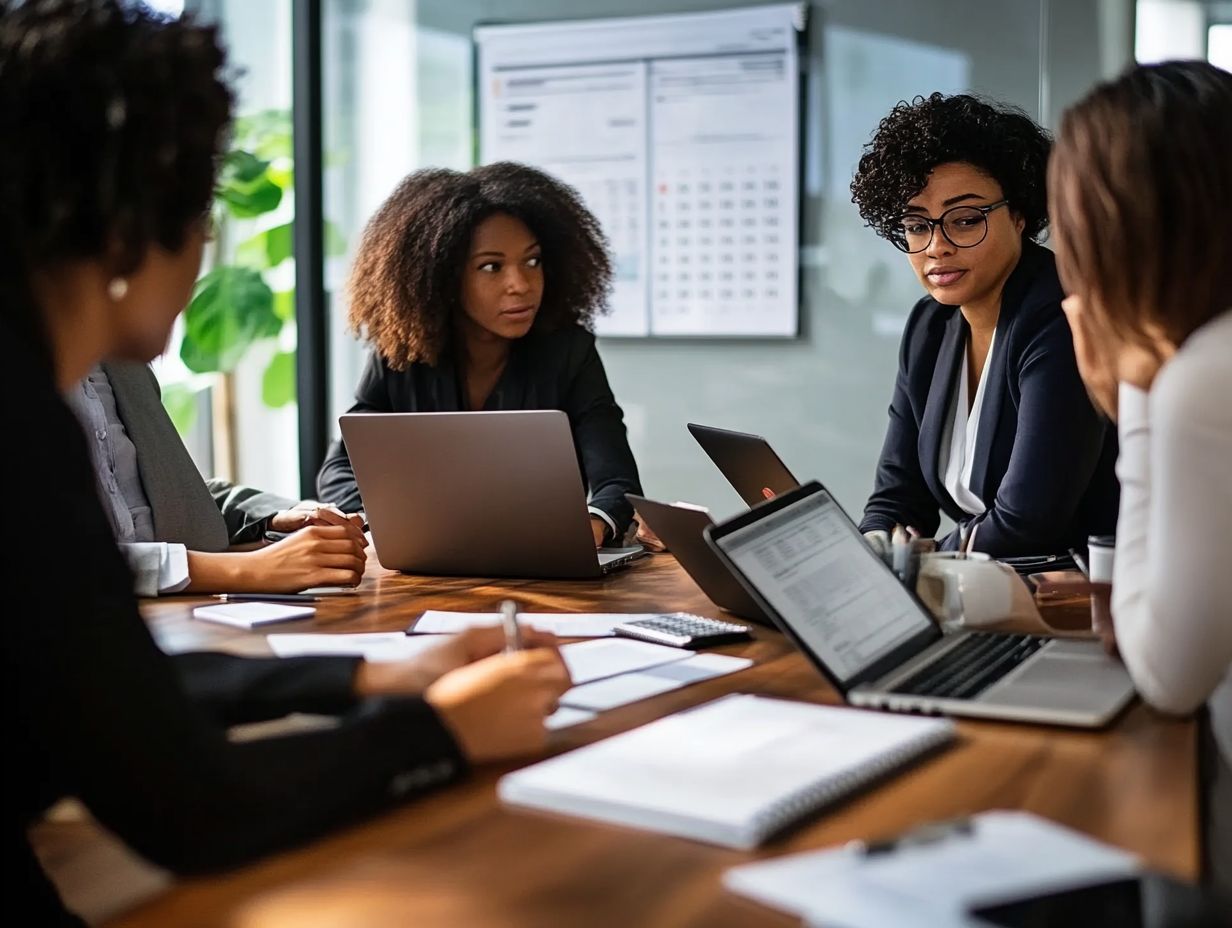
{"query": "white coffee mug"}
{"type": "Point", "coordinates": [974, 590]}
{"type": "Point", "coordinates": [1101, 551]}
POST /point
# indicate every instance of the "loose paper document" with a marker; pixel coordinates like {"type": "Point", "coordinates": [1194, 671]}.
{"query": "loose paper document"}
{"type": "Point", "coordinates": [631, 687]}
{"type": "Point", "coordinates": [564, 625]}
{"type": "Point", "coordinates": [566, 716]}
{"type": "Point", "coordinates": [594, 660]}
{"type": "Point", "coordinates": [250, 615]}
{"type": "Point", "coordinates": [1006, 855]}
{"type": "Point", "coordinates": [377, 647]}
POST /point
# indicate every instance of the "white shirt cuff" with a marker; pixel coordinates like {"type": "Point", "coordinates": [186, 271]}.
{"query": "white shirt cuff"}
{"type": "Point", "coordinates": [605, 517]}
{"type": "Point", "coordinates": [1133, 408]}
{"type": "Point", "coordinates": [173, 569]}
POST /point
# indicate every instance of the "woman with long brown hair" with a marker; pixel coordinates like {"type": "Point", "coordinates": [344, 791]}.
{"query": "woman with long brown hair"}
{"type": "Point", "coordinates": [1140, 187]}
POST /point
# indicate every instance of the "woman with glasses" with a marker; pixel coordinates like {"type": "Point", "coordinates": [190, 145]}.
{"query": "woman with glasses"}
{"type": "Point", "coordinates": [989, 423]}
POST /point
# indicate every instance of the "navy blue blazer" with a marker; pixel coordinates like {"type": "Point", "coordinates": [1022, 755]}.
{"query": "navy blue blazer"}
{"type": "Point", "coordinates": [1044, 459]}
{"type": "Point", "coordinates": [558, 369]}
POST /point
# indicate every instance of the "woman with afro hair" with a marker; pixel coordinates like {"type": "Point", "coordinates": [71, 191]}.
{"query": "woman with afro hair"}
{"type": "Point", "coordinates": [477, 291]}
{"type": "Point", "coordinates": [989, 421]}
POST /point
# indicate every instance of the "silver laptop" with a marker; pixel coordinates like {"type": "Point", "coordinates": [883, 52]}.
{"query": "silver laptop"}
{"type": "Point", "coordinates": [492, 494]}
{"type": "Point", "coordinates": [806, 564]}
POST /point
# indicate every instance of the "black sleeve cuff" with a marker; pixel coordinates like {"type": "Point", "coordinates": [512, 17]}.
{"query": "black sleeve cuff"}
{"type": "Point", "coordinates": [236, 690]}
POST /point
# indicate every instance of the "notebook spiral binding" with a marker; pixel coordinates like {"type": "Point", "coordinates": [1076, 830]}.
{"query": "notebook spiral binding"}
{"type": "Point", "coordinates": [811, 798]}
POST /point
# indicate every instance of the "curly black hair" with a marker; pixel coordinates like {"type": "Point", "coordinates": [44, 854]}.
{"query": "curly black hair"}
{"type": "Point", "coordinates": [915, 137]}
{"type": "Point", "coordinates": [113, 119]}
{"type": "Point", "coordinates": [405, 287]}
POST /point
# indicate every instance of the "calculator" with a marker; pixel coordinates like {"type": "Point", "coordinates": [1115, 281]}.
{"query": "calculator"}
{"type": "Point", "coordinates": [682, 630]}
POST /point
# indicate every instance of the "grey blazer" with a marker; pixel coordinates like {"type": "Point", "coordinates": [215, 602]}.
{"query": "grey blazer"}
{"type": "Point", "coordinates": [201, 515]}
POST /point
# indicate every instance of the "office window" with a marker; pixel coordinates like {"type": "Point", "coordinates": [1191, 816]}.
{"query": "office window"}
{"type": "Point", "coordinates": [1219, 45]}
{"type": "Point", "coordinates": [397, 98]}
{"type": "Point", "coordinates": [228, 376]}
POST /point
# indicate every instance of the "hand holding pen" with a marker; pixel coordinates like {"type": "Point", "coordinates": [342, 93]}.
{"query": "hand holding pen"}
{"type": "Point", "coordinates": [496, 706]}
{"type": "Point", "coordinates": [509, 621]}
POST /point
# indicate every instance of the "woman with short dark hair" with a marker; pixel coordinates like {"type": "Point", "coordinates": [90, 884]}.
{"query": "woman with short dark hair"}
{"type": "Point", "coordinates": [989, 421]}
{"type": "Point", "coordinates": [1140, 185]}
{"type": "Point", "coordinates": [477, 290]}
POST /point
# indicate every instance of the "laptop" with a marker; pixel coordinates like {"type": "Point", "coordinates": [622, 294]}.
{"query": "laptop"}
{"type": "Point", "coordinates": [681, 527]}
{"type": "Point", "coordinates": [804, 561]}
{"type": "Point", "coordinates": [747, 461]}
{"type": "Point", "coordinates": [489, 494]}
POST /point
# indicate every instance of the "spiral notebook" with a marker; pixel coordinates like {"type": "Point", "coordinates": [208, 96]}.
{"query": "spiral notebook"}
{"type": "Point", "coordinates": [732, 772]}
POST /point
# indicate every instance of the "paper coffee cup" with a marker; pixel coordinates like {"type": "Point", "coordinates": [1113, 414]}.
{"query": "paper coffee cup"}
{"type": "Point", "coordinates": [1100, 553]}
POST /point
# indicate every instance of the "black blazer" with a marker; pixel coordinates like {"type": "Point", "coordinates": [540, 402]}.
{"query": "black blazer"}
{"type": "Point", "coordinates": [1044, 461]}
{"type": "Point", "coordinates": [560, 369]}
{"type": "Point", "coordinates": [98, 712]}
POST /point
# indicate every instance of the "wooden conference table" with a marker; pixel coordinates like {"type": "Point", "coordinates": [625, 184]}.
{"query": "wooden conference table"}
{"type": "Point", "coordinates": [458, 858]}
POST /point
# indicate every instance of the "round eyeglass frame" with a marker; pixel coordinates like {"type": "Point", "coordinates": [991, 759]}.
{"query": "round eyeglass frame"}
{"type": "Point", "coordinates": [933, 224]}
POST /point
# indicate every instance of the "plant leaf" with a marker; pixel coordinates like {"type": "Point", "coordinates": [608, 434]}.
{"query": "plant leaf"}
{"type": "Point", "coordinates": [284, 304]}
{"type": "Point", "coordinates": [181, 402]}
{"type": "Point", "coordinates": [282, 173]}
{"type": "Point", "coordinates": [266, 133]}
{"type": "Point", "coordinates": [267, 249]}
{"type": "Point", "coordinates": [232, 307]}
{"type": "Point", "coordinates": [244, 185]}
{"type": "Point", "coordinates": [278, 383]}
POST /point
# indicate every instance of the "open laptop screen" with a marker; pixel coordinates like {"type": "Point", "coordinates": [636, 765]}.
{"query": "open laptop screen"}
{"type": "Point", "coordinates": [810, 564]}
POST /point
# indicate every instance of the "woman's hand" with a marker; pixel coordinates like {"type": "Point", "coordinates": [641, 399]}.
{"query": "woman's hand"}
{"type": "Point", "coordinates": [600, 530]}
{"type": "Point", "coordinates": [412, 677]}
{"type": "Point", "coordinates": [1101, 617]}
{"type": "Point", "coordinates": [496, 707]}
{"type": "Point", "coordinates": [1093, 365]}
{"type": "Point", "coordinates": [646, 536]}
{"type": "Point", "coordinates": [1105, 361]}
{"type": "Point", "coordinates": [319, 555]}
{"type": "Point", "coordinates": [309, 512]}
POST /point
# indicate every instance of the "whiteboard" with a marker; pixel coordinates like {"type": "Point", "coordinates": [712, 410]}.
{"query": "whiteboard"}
{"type": "Point", "coordinates": [681, 133]}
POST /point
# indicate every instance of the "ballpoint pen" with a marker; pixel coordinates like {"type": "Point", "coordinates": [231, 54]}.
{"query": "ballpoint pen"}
{"type": "Point", "coordinates": [964, 537]}
{"type": "Point", "coordinates": [927, 833]}
{"type": "Point", "coordinates": [1081, 562]}
{"type": "Point", "coordinates": [513, 633]}
{"type": "Point", "coordinates": [268, 597]}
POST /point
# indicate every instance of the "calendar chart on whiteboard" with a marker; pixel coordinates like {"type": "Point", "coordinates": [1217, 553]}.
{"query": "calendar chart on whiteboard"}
{"type": "Point", "coordinates": [681, 134]}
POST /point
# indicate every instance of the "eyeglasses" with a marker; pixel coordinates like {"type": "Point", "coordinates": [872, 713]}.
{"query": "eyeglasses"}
{"type": "Point", "coordinates": [962, 226]}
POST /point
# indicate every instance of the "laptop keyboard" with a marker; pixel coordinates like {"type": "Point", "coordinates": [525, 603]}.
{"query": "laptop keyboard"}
{"type": "Point", "coordinates": [975, 664]}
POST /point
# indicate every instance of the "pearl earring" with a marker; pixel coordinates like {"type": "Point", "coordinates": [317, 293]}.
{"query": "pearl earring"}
{"type": "Point", "coordinates": [117, 289]}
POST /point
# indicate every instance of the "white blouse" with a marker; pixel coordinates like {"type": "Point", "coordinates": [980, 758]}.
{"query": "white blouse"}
{"type": "Point", "coordinates": [1171, 582]}
{"type": "Point", "coordinates": [961, 433]}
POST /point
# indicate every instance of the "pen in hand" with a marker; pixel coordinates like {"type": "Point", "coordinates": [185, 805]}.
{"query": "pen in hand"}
{"type": "Point", "coordinates": [1080, 561]}
{"type": "Point", "coordinates": [964, 537]}
{"type": "Point", "coordinates": [513, 632]}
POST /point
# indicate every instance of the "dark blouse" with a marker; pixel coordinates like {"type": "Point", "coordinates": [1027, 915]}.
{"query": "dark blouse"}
{"type": "Point", "coordinates": [559, 370]}
{"type": "Point", "coordinates": [1044, 458]}
{"type": "Point", "coordinates": [99, 713]}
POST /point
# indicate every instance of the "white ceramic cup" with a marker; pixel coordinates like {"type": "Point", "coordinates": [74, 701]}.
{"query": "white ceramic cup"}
{"type": "Point", "coordinates": [1101, 550]}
